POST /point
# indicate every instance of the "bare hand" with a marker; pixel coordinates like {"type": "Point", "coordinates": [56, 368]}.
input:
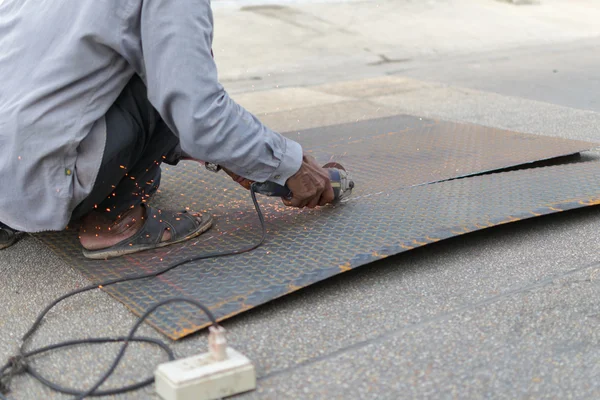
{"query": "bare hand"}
{"type": "Point", "coordinates": [310, 186]}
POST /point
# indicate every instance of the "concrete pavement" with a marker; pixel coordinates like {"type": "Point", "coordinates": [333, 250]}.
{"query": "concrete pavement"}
{"type": "Point", "coordinates": [337, 40]}
{"type": "Point", "coordinates": [510, 312]}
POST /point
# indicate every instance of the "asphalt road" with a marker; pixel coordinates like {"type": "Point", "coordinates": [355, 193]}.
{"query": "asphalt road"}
{"type": "Point", "coordinates": [510, 312]}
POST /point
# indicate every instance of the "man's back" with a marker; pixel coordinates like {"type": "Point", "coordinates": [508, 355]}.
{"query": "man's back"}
{"type": "Point", "coordinates": [60, 73]}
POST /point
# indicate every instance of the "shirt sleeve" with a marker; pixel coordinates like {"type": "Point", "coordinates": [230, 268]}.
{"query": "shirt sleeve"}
{"type": "Point", "coordinates": [181, 77]}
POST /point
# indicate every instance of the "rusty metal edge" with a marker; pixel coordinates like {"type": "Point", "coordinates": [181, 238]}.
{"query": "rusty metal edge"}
{"type": "Point", "coordinates": [381, 253]}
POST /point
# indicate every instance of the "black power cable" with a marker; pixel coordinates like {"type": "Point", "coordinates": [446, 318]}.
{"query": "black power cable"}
{"type": "Point", "coordinates": [18, 364]}
{"type": "Point", "coordinates": [75, 392]}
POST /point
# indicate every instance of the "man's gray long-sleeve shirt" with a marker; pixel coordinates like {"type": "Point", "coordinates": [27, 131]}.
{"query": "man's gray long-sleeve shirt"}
{"type": "Point", "coordinates": [64, 63]}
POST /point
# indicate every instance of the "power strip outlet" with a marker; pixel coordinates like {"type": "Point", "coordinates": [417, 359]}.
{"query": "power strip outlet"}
{"type": "Point", "coordinates": [204, 377]}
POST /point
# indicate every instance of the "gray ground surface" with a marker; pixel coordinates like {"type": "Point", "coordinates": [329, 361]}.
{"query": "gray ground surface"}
{"type": "Point", "coordinates": [510, 312]}
{"type": "Point", "coordinates": [564, 74]}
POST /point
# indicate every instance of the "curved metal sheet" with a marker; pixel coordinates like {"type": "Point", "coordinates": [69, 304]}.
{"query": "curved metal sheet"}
{"type": "Point", "coordinates": [387, 214]}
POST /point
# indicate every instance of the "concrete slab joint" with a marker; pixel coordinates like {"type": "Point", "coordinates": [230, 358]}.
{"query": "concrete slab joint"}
{"type": "Point", "coordinates": [521, 2]}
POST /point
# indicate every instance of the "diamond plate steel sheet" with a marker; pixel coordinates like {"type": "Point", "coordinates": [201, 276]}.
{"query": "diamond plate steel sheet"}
{"type": "Point", "coordinates": [387, 214]}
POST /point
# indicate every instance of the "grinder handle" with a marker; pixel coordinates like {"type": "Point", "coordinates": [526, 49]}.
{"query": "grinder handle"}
{"type": "Point", "coordinates": [272, 189]}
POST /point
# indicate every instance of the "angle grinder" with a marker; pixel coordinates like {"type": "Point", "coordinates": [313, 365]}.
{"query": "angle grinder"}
{"type": "Point", "coordinates": [341, 182]}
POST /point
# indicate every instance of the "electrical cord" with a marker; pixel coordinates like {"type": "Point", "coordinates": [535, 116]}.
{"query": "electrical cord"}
{"type": "Point", "coordinates": [65, 390]}
{"type": "Point", "coordinates": [18, 364]}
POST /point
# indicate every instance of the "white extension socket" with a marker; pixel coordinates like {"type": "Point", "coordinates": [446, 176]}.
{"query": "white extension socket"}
{"type": "Point", "coordinates": [220, 373]}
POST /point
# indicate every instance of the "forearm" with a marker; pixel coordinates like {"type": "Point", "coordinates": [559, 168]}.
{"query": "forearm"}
{"type": "Point", "coordinates": [239, 142]}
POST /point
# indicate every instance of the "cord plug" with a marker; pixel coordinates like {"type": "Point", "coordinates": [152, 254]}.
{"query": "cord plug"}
{"type": "Point", "coordinates": [217, 343]}
{"type": "Point", "coordinates": [219, 373]}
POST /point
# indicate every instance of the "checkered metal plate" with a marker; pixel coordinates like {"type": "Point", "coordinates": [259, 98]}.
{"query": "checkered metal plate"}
{"type": "Point", "coordinates": [387, 214]}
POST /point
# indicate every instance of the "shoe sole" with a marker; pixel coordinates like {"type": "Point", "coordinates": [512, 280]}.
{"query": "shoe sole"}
{"type": "Point", "coordinates": [7, 244]}
{"type": "Point", "coordinates": [105, 254]}
{"type": "Point", "coordinates": [12, 241]}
